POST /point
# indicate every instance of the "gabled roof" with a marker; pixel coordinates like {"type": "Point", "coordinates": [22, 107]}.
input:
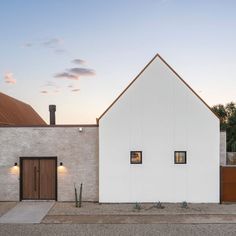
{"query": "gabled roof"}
{"type": "Point", "coordinates": [178, 76]}
{"type": "Point", "coordinates": [15, 112]}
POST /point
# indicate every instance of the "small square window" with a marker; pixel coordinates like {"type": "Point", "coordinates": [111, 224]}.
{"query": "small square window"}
{"type": "Point", "coordinates": [135, 157]}
{"type": "Point", "coordinates": [180, 157]}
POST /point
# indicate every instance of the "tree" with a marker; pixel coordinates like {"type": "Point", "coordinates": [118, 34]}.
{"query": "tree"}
{"type": "Point", "coordinates": [221, 112]}
{"type": "Point", "coordinates": [230, 109]}
{"type": "Point", "coordinates": [231, 132]}
{"type": "Point", "coordinates": [227, 116]}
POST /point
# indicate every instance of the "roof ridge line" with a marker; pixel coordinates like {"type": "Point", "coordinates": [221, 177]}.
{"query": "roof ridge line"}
{"type": "Point", "coordinates": [126, 88]}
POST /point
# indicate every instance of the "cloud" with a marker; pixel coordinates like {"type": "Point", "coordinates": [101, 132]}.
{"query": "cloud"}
{"type": "Point", "coordinates": [9, 79]}
{"type": "Point", "coordinates": [49, 88]}
{"type": "Point", "coordinates": [51, 84]}
{"type": "Point", "coordinates": [52, 42]}
{"type": "Point", "coordinates": [78, 61]}
{"type": "Point", "coordinates": [60, 51]}
{"type": "Point", "coordinates": [28, 45]}
{"type": "Point", "coordinates": [44, 92]}
{"type": "Point", "coordinates": [81, 71]}
{"type": "Point", "coordinates": [75, 90]}
{"type": "Point", "coordinates": [66, 75]}
{"type": "Point", "coordinates": [72, 88]}
{"type": "Point", "coordinates": [75, 73]}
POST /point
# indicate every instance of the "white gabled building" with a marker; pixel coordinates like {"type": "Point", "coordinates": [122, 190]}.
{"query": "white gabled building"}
{"type": "Point", "coordinates": [162, 124]}
{"type": "Point", "coordinates": [159, 141]}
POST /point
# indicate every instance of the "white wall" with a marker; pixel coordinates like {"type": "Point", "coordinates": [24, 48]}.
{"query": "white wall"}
{"type": "Point", "coordinates": [159, 114]}
{"type": "Point", "coordinates": [77, 150]}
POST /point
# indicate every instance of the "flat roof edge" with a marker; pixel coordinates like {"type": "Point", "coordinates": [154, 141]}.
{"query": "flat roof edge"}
{"type": "Point", "coordinates": [48, 126]}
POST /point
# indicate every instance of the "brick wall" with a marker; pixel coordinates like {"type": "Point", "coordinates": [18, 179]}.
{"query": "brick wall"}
{"type": "Point", "coordinates": [77, 150]}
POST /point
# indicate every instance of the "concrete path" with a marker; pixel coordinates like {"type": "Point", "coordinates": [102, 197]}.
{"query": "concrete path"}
{"type": "Point", "coordinates": [27, 212]}
{"type": "Point", "coordinates": [6, 206]}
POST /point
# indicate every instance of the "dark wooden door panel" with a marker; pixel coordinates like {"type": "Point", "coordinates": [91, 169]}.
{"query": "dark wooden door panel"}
{"type": "Point", "coordinates": [47, 183]}
{"type": "Point", "coordinates": [38, 178]}
{"type": "Point", "coordinates": [228, 184]}
{"type": "Point", "coordinates": [30, 170]}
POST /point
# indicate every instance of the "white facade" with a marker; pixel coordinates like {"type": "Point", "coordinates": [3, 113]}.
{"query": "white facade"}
{"type": "Point", "coordinates": [159, 114]}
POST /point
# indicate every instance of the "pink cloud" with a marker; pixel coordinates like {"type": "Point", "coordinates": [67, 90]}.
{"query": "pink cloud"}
{"type": "Point", "coordinates": [9, 79]}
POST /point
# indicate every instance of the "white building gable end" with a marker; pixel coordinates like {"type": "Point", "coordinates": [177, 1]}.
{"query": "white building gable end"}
{"type": "Point", "coordinates": [158, 114]}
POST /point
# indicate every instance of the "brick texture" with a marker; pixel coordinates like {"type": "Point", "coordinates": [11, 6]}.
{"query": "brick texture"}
{"type": "Point", "coordinates": [77, 150]}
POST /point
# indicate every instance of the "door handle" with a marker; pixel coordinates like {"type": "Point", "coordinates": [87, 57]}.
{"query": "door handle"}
{"type": "Point", "coordinates": [35, 179]}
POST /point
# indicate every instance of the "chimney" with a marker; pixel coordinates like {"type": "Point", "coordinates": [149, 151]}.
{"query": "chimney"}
{"type": "Point", "coordinates": [52, 110]}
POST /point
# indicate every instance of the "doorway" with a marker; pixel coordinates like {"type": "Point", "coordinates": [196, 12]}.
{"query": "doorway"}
{"type": "Point", "coordinates": [38, 178]}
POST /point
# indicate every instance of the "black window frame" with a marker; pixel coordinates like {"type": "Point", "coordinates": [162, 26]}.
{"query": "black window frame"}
{"type": "Point", "coordinates": [180, 163]}
{"type": "Point", "coordinates": [136, 163]}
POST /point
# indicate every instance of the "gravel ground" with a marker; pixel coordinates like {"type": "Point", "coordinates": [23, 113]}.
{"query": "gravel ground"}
{"type": "Point", "coordinates": [136, 222]}
{"type": "Point", "coordinates": [113, 230]}
{"type": "Point", "coordinates": [6, 206]}
{"type": "Point", "coordinates": [68, 208]}
{"type": "Point", "coordinates": [141, 219]}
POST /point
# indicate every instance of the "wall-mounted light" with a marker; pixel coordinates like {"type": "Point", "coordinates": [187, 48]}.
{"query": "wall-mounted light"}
{"type": "Point", "coordinates": [62, 170]}
{"type": "Point", "coordinates": [80, 129]}
{"type": "Point", "coordinates": [14, 170]}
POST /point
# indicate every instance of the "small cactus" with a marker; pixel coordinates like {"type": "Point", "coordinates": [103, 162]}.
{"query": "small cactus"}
{"type": "Point", "coordinates": [184, 205]}
{"type": "Point", "coordinates": [159, 205]}
{"type": "Point", "coordinates": [137, 206]}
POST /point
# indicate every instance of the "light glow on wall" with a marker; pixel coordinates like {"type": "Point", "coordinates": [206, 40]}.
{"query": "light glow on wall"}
{"type": "Point", "coordinates": [15, 170]}
{"type": "Point", "coordinates": [62, 170]}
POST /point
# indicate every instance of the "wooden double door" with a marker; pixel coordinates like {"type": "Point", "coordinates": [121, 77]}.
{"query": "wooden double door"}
{"type": "Point", "coordinates": [38, 178]}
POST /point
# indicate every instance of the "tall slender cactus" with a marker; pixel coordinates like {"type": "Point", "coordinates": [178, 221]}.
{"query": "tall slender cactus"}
{"type": "Point", "coordinates": [76, 197]}
{"type": "Point", "coordinates": [80, 194]}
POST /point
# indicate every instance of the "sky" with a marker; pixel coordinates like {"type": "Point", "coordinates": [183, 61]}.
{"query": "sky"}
{"type": "Point", "coordinates": [80, 55]}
